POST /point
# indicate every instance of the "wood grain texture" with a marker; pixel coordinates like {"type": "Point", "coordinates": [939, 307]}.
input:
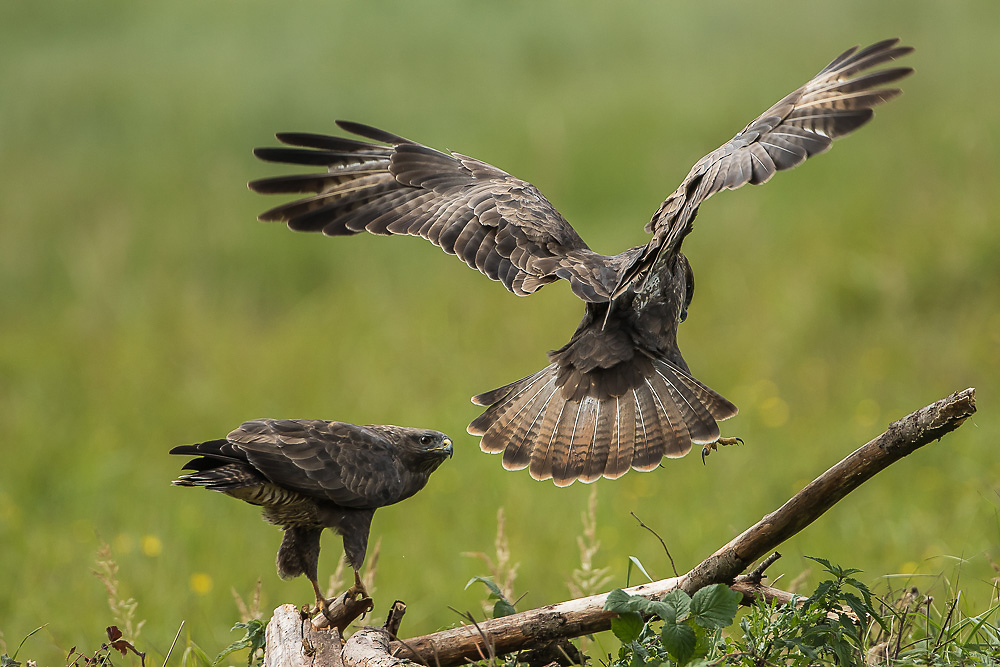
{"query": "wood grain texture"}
{"type": "Point", "coordinates": [292, 641]}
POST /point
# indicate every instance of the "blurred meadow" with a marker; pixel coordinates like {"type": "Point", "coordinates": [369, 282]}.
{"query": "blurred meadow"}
{"type": "Point", "coordinates": [143, 306]}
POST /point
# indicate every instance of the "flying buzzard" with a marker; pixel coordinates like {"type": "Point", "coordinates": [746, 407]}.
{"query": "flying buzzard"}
{"type": "Point", "coordinates": [618, 394]}
{"type": "Point", "coordinates": [308, 475]}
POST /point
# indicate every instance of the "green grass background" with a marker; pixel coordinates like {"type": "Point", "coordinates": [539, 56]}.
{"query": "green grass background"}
{"type": "Point", "coordinates": [143, 306]}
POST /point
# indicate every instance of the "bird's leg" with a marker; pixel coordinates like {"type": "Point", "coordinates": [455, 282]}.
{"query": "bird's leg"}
{"type": "Point", "coordinates": [721, 442]}
{"type": "Point", "coordinates": [358, 589]}
{"type": "Point", "coordinates": [321, 603]}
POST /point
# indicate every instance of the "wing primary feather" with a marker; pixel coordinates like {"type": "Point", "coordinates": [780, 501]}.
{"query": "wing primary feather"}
{"type": "Point", "coordinates": [373, 133]}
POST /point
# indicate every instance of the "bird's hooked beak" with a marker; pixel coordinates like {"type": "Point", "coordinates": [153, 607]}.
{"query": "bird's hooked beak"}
{"type": "Point", "coordinates": [445, 448]}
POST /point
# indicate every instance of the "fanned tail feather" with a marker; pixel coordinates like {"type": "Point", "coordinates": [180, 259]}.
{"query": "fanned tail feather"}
{"type": "Point", "coordinates": [569, 465]}
{"type": "Point", "coordinates": [536, 427]}
{"type": "Point", "coordinates": [649, 436]}
{"type": "Point", "coordinates": [622, 438]}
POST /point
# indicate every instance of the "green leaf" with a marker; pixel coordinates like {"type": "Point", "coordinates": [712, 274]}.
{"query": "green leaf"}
{"type": "Point", "coordinates": [664, 610]}
{"type": "Point", "coordinates": [503, 608]}
{"type": "Point", "coordinates": [822, 561]}
{"type": "Point", "coordinates": [680, 601]}
{"type": "Point", "coordinates": [835, 570]}
{"type": "Point", "coordinates": [860, 609]}
{"type": "Point", "coordinates": [843, 651]}
{"type": "Point", "coordinates": [7, 661]}
{"type": "Point", "coordinates": [253, 640]}
{"type": "Point", "coordinates": [715, 606]}
{"type": "Point", "coordinates": [635, 560]}
{"type": "Point", "coordinates": [18, 649]}
{"type": "Point", "coordinates": [495, 593]}
{"type": "Point", "coordinates": [627, 626]}
{"type": "Point", "coordinates": [618, 601]}
{"type": "Point", "coordinates": [704, 641]}
{"type": "Point", "coordinates": [680, 640]}
{"type": "Point", "coordinates": [823, 590]}
{"type": "Point", "coordinates": [861, 588]}
{"type": "Point", "coordinates": [621, 602]}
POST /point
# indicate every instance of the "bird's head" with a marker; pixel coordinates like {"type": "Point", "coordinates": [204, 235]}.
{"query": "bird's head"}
{"type": "Point", "coordinates": [426, 450]}
{"type": "Point", "coordinates": [665, 294]}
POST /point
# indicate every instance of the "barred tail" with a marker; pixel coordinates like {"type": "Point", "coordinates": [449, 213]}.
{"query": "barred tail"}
{"type": "Point", "coordinates": [537, 427]}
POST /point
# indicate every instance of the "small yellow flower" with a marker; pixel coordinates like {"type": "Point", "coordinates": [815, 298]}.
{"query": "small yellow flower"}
{"type": "Point", "coordinates": [200, 583]}
{"type": "Point", "coordinates": [151, 545]}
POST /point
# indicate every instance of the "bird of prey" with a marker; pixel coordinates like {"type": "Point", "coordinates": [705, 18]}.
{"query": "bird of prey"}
{"type": "Point", "coordinates": [308, 475]}
{"type": "Point", "coordinates": [618, 395]}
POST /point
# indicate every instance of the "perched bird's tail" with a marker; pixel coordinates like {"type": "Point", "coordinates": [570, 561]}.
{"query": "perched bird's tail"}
{"type": "Point", "coordinates": [547, 423]}
{"type": "Point", "coordinates": [219, 466]}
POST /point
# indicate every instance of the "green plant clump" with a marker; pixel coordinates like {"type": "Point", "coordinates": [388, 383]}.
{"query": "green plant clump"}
{"type": "Point", "coordinates": [841, 623]}
{"type": "Point", "coordinates": [688, 630]}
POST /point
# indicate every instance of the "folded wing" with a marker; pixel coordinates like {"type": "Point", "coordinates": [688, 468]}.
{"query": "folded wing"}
{"type": "Point", "coordinates": [349, 465]}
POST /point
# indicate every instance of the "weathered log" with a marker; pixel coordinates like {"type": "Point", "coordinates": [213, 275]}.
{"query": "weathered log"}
{"type": "Point", "coordinates": [586, 615]}
{"type": "Point", "coordinates": [292, 641]}
{"type": "Point", "coordinates": [369, 647]}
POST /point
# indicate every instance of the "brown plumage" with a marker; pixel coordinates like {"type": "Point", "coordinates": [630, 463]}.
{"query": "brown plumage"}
{"type": "Point", "coordinates": [618, 395]}
{"type": "Point", "coordinates": [308, 475]}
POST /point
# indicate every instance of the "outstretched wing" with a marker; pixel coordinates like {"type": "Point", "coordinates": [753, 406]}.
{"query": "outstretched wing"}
{"type": "Point", "coordinates": [835, 102]}
{"type": "Point", "coordinates": [350, 465]}
{"type": "Point", "coordinates": [500, 225]}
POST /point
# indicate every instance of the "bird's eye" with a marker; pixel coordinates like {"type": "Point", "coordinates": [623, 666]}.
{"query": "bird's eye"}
{"type": "Point", "coordinates": [426, 440]}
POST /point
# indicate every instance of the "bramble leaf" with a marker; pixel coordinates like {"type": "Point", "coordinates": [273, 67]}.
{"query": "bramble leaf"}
{"type": "Point", "coordinates": [627, 626]}
{"type": "Point", "coordinates": [680, 640]}
{"type": "Point", "coordinates": [680, 601]}
{"type": "Point", "coordinates": [715, 606]}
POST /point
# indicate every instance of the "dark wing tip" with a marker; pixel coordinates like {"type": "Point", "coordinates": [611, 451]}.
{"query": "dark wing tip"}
{"type": "Point", "coordinates": [373, 133]}
{"type": "Point", "coordinates": [326, 142]}
{"type": "Point", "coordinates": [488, 398]}
{"type": "Point", "coordinates": [264, 186]}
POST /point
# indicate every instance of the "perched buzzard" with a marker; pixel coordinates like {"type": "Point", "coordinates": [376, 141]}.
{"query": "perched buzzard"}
{"type": "Point", "coordinates": [618, 394]}
{"type": "Point", "coordinates": [308, 475]}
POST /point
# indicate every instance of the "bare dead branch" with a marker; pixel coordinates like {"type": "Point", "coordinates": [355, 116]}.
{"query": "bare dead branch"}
{"type": "Point", "coordinates": [758, 572]}
{"type": "Point", "coordinates": [903, 437]}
